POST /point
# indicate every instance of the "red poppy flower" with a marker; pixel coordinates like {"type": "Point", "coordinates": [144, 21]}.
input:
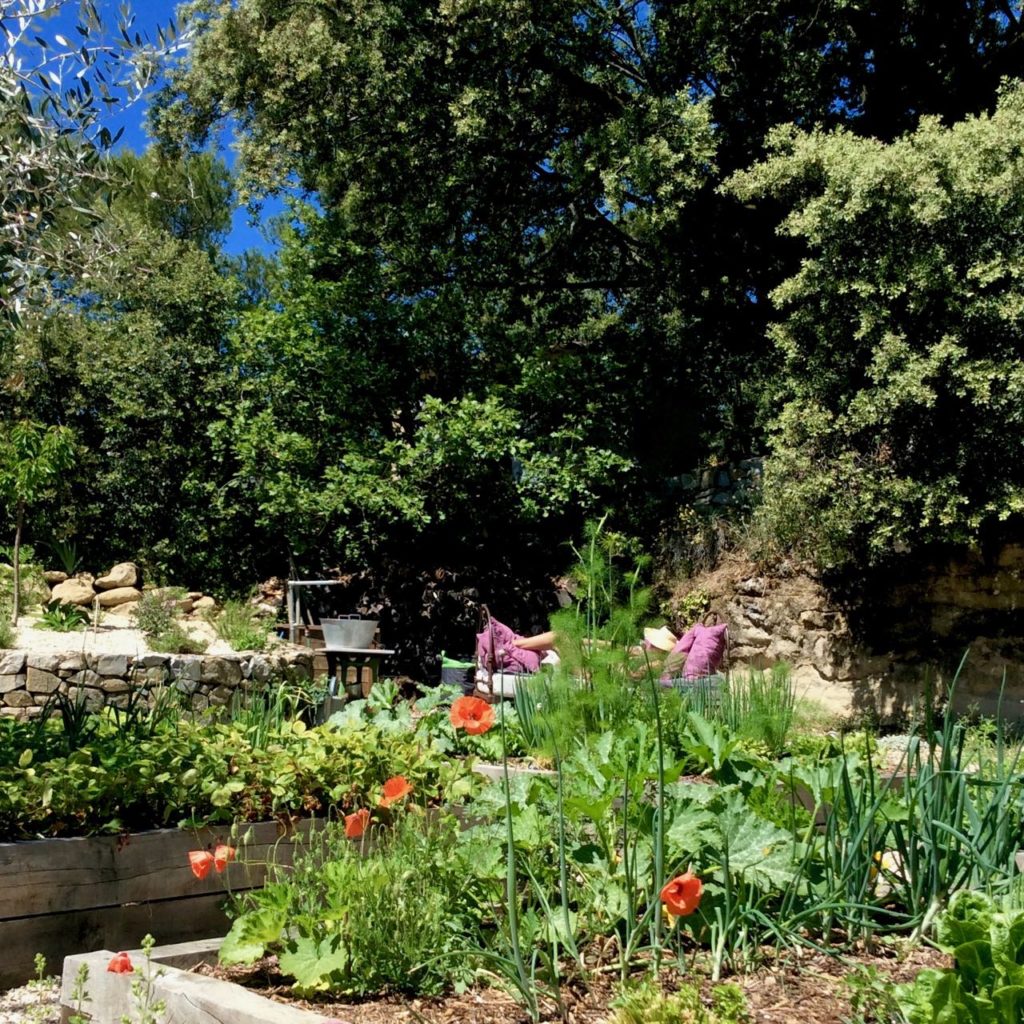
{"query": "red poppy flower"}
{"type": "Point", "coordinates": [355, 824]}
{"type": "Point", "coordinates": [394, 789]}
{"type": "Point", "coordinates": [682, 895]}
{"type": "Point", "coordinates": [120, 963]}
{"type": "Point", "coordinates": [200, 861]}
{"type": "Point", "coordinates": [474, 715]}
{"type": "Point", "coordinates": [222, 856]}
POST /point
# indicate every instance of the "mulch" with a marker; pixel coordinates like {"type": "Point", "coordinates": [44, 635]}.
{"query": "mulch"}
{"type": "Point", "coordinates": [800, 987]}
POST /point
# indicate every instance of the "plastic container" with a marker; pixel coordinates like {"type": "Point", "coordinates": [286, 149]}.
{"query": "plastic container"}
{"type": "Point", "coordinates": [458, 673]}
{"type": "Point", "coordinates": [349, 631]}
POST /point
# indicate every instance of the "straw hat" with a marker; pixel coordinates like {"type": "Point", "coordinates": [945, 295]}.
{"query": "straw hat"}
{"type": "Point", "coordinates": [664, 639]}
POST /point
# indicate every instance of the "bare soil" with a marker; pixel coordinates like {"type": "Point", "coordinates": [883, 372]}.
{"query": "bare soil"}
{"type": "Point", "coordinates": [798, 988]}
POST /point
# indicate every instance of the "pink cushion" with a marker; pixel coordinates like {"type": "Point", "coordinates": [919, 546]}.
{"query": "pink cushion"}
{"type": "Point", "coordinates": [676, 659]}
{"type": "Point", "coordinates": [707, 651]}
{"type": "Point", "coordinates": [697, 653]}
{"type": "Point", "coordinates": [507, 658]}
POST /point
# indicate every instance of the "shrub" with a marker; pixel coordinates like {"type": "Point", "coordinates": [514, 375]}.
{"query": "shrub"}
{"type": "Point", "coordinates": [33, 587]}
{"type": "Point", "coordinates": [175, 640]}
{"type": "Point", "coordinates": [155, 613]}
{"type": "Point", "coordinates": [240, 626]}
{"type": "Point", "coordinates": [156, 617]}
{"type": "Point", "coordinates": [61, 617]}
{"type": "Point", "coordinates": [7, 635]}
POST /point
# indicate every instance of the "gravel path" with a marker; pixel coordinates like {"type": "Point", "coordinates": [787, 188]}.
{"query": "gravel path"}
{"type": "Point", "coordinates": [38, 1002]}
{"type": "Point", "coordinates": [114, 635]}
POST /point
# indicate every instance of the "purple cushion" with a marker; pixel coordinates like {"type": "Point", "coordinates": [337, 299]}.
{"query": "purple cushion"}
{"type": "Point", "coordinates": [697, 653]}
{"type": "Point", "coordinates": [507, 658]}
{"type": "Point", "coordinates": [706, 651]}
{"type": "Point", "coordinates": [677, 656]}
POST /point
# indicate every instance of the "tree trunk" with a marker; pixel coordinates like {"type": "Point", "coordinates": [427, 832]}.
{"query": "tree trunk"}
{"type": "Point", "coordinates": [16, 560]}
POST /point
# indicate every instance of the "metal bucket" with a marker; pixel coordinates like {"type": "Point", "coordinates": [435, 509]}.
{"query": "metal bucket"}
{"type": "Point", "coordinates": [350, 631]}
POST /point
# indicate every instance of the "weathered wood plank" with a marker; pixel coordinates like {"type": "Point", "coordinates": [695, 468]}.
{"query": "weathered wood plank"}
{"type": "Point", "coordinates": [59, 935]}
{"type": "Point", "coordinates": [50, 876]}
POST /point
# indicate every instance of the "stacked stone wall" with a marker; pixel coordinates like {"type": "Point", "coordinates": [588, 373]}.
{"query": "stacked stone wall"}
{"type": "Point", "coordinates": [872, 654]}
{"type": "Point", "coordinates": [29, 680]}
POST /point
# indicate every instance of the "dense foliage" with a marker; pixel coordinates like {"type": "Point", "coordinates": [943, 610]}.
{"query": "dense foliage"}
{"type": "Point", "coordinates": [534, 274]}
{"type": "Point", "coordinates": [119, 772]}
{"type": "Point", "coordinates": [902, 388]}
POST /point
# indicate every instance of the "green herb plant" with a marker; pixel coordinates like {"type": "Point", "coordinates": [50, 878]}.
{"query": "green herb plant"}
{"type": "Point", "coordinates": [346, 922]}
{"type": "Point", "coordinates": [80, 996]}
{"type": "Point", "coordinates": [871, 995]}
{"type": "Point", "coordinates": [62, 617]}
{"type": "Point", "coordinates": [148, 1008]}
{"type": "Point", "coordinates": [241, 627]}
{"type": "Point", "coordinates": [645, 1003]}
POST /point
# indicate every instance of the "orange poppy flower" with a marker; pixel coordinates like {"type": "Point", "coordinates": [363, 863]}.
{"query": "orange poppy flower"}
{"type": "Point", "coordinates": [200, 861]}
{"type": "Point", "coordinates": [474, 715]}
{"type": "Point", "coordinates": [355, 824]}
{"type": "Point", "coordinates": [394, 789]}
{"type": "Point", "coordinates": [120, 963]}
{"type": "Point", "coordinates": [682, 895]}
{"type": "Point", "coordinates": [222, 856]}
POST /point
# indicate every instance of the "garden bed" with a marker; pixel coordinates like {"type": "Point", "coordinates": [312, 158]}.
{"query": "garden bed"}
{"type": "Point", "coordinates": [810, 988]}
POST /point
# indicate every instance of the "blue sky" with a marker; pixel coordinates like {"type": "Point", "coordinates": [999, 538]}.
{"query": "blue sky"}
{"type": "Point", "coordinates": [148, 14]}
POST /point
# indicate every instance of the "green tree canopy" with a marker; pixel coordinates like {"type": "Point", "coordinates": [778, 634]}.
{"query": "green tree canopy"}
{"type": "Point", "coordinates": [901, 335]}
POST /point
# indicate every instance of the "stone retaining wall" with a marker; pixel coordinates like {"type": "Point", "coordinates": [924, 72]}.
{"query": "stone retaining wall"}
{"type": "Point", "coordinates": [28, 679]}
{"type": "Point", "coordinates": [869, 657]}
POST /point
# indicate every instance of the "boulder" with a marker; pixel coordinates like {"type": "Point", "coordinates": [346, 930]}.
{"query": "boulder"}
{"type": "Point", "coordinates": [109, 664]}
{"type": "Point", "coordinates": [203, 604]}
{"type": "Point", "coordinates": [86, 678]}
{"type": "Point", "coordinates": [223, 672]}
{"type": "Point", "coordinates": [44, 662]}
{"type": "Point", "coordinates": [54, 576]}
{"type": "Point", "coordinates": [75, 591]}
{"type": "Point", "coordinates": [91, 699]}
{"type": "Point", "coordinates": [124, 574]}
{"type": "Point", "coordinates": [119, 595]}
{"type": "Point", "coordinates": [124, 610]}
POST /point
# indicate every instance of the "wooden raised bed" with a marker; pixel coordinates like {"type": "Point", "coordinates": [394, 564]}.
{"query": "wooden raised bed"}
{"type": "Point", "coordinates": [62, 896]}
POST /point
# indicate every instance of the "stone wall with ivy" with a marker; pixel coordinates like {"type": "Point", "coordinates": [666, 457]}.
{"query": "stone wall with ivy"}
{"type": "Point", "coordinates": [31, 680]}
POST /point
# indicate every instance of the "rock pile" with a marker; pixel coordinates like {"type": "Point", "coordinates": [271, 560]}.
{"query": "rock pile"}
{"type": "Point", "coordinates": [118, 591]}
